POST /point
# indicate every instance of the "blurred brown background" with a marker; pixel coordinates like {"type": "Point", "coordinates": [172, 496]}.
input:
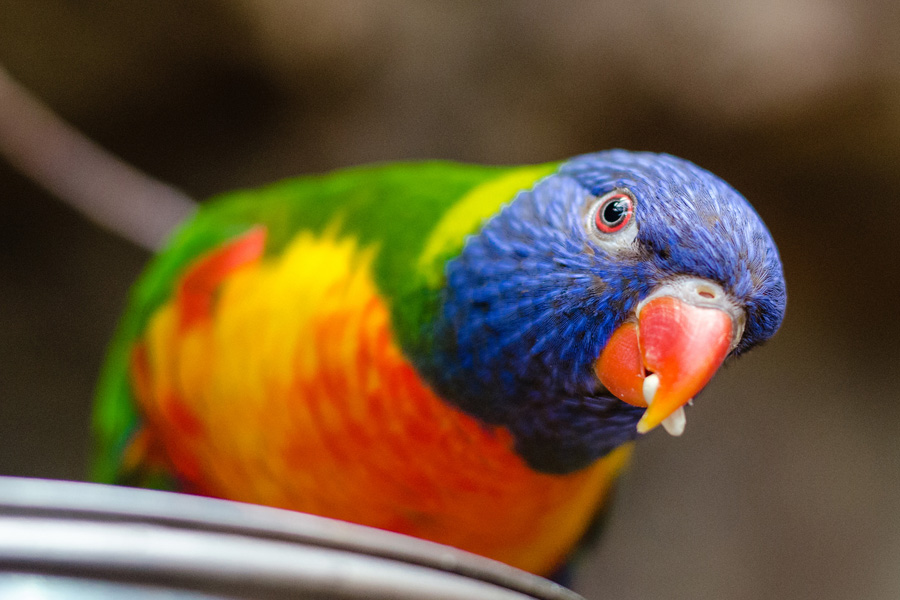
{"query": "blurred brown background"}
{"type": "Point", "coordinates": [787, 481]}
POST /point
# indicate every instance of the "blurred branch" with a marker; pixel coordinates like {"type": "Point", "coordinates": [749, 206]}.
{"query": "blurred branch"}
{"type": "Point", "coordinates": [100, 186]}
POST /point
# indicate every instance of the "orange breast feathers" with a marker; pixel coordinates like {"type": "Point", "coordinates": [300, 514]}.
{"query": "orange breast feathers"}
{"type": "Point", "coordinates": [277, 381]}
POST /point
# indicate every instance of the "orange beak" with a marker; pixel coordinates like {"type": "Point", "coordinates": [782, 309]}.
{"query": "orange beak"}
{"type": "Point", "coordinates": [665, 358]}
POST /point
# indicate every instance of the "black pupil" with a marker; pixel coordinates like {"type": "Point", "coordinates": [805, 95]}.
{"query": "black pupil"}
{"type": "Point", "coordinates": [615, 212]}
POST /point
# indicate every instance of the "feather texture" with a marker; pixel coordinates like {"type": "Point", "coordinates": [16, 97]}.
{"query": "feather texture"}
{"type": "Point", "coordinates": [300, 347]}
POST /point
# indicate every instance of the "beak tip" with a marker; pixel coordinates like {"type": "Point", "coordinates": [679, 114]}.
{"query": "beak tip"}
{"type": "Point", "coordinates": [643, 428]}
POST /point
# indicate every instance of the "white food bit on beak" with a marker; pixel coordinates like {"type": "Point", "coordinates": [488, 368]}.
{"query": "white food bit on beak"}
{"type": "Point", "coordinates": [674, 423]}
{"type": "Point", "coordinates": [651, 384]}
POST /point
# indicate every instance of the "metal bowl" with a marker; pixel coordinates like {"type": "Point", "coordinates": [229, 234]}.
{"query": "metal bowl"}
{"type": "Point", "coordinates": [66, 540]}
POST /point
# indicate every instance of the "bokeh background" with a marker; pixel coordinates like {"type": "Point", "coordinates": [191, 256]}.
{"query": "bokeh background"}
{"type": "Point", "coordinates": [787, 481]}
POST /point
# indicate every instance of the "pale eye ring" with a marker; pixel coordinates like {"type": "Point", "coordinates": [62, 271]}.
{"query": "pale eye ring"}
{"type": "Point", "coordinates": [614, 212]}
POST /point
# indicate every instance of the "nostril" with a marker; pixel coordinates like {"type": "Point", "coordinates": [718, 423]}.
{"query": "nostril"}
{"type": "Point", "coordinates": [706, 293]}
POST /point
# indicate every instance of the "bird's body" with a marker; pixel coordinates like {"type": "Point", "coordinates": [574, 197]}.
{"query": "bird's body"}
{"type": "Point", "coordinates": [391, 346]}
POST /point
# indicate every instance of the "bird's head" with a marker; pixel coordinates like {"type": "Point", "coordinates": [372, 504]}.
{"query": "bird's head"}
{"type": "Point", "coordinates": [622, 280]}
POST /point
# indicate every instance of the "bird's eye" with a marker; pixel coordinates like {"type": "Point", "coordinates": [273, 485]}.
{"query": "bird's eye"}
{"type": "Point", "coordinates": [614, 212]}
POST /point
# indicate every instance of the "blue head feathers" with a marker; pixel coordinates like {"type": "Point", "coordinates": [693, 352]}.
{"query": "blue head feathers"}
{"type": "Point", "coordinates": [533, 298]}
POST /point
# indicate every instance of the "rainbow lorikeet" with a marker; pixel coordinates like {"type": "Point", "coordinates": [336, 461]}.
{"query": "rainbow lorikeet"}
{"type": "Point", "coordinates": [460, 353]}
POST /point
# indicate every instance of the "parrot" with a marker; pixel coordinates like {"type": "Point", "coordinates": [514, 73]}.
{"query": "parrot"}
{"type": "Point", "coordinates": [456, 352]}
